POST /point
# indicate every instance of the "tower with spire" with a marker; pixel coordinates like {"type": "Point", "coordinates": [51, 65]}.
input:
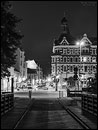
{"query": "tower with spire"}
{"type": "Point", "coordinates": [64, 25]}
{"type": "Point", "coordinates": [66, 55]}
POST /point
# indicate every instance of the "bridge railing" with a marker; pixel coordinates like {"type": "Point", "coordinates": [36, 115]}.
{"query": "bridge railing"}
{"type": "Point", "coordinates": [89, 103]}
{"type": "Point", "coordinates": [71, 93]}
{"type": "Point", "coordinates": [7, 102]}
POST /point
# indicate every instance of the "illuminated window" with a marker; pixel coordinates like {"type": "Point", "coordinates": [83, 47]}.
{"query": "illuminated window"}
{"type": "Point", "coordinates": [68, 51]}
{"type": "Point", "coordinates": [67, 59]}
{"type": "Point", "coordinates": [58, 59]}
{"type": "Point", "coordinates": [93, 59]}
{"type": "Point", "coordinates": [76, 51]}
{"type": "Point", "coordinates": [65, 68]}
{"type": "Point", "coordinates": [71, 51]}
{"type": "Point", "coordinates": [58, 68]}
{"type": "Point", "coordinates": [60, 50]}
{"type": "Point", "coordinates": [94, 68]}
{"type": "Point", "coordinates": [65, 51]}
{"type": "Point", "coordinates": [61, 59]}
{"type": "Point", "coordinates": [68, 68]}
{"type": "Point", "coordinates": [61, 68]}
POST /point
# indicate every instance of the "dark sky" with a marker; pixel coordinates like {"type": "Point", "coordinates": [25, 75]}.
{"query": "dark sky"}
{"type": "Point", "coordinates": [41, 24]}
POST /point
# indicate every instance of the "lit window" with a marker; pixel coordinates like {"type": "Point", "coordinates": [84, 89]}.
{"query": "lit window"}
{"type": "Point", "coordinates": [61, 59]}
{"type": "Point", "coordinates": [61, 68]}
{"type": "Point", "coordinates": [65, 68]}
{"type": "Point", "coordinates": [65, 51]}
{"type": "Point", "coordinates": [94, 68]}
{"type": "Point", "coordinates": [93, 59]}
{"type": "Point", "coordinates": [61, 50]}
{"type": "Point", "coordinates": [68, 68]}
{"type": "Point", "coordinates": [58, 59]}
{"type": "Point", "coordinates": [71, 51]}
{"type": "Point", "coordinates": [75, 51]}
{"type": "Point", "coordinates": [67, 59]}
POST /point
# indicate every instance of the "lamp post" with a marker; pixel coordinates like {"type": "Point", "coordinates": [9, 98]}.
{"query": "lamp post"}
{"type": "Point", "coordinates": [80, 44]}
{"type": "Point", "coordinates": [56, 89]}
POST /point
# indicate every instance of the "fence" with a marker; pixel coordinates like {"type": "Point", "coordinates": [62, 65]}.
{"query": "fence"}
{"type": "Point", "coordinates": [89, 103]}
{"type": "Point", "coordinates": [7, 102]}
{"type": "Point", "coordinates": [74, 93]}
{"type": "Point", "coordinates": [62, 94]}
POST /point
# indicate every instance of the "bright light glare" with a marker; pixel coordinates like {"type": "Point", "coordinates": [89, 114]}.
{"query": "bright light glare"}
{"type": "Point", "coordinates": [78, 43]}
{"type": "Point", "coordinates": [65, 83]}
{"type": "Point", "coordinates": [49, 79]}
{"type": "Point", "coordinates": [82, 43]}
{"type": "Point", "coordinates": [57, 77]}
{"type": "Point", "coordinates": [31, 64]}
{"type": "Point", "coordinates": [19, 79]}
{"type": "Point", "coordinates": [84, 59]}
{"type": "Point", "coordinates": [23, 78]}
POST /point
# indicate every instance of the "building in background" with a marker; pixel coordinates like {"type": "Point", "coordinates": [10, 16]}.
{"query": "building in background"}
{"type": "Point", "coordinates": [20, 67]}
{"type": "Point", "coordinates": [34, 72]}
{"type": "Point", "coordinates": [18, 72]}
{"type": "Point", "coordinates": [67, 54]}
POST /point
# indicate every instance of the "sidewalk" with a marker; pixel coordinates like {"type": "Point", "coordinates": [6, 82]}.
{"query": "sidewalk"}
{"type": "Point", "coordinates": [9, 120]}
{"type": "Point", "coordinates": [75, 107]}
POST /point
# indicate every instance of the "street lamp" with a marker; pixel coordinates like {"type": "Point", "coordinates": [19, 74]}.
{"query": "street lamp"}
{"type": "Point", "coordinates": [81, 44]}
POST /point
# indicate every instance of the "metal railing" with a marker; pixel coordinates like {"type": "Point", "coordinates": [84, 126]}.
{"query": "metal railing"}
{"type": "Point", "coordinates": [74, 93]}
{"type": "Point", "coordinates": [89, 103]}
{"type": "Point", "coordinates": [7, 102]}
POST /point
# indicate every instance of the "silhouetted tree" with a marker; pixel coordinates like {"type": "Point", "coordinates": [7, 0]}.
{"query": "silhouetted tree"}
{"type": "Point", "coordinates": [10, 38]}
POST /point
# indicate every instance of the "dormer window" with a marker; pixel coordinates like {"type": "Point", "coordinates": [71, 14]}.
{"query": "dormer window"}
{"type": "Point", "coordinates": [64, 41]}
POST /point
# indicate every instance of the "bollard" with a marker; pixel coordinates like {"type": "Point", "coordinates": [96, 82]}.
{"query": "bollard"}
{"type": "Point", "coordinates": [68, 93]}
{"type": "Point", "coordinates": [29, 94]}
{"type": "Point", "coordinates": [60, 94]}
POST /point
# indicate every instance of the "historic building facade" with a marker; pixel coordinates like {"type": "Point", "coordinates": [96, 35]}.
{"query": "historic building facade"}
{"type": "Point", "coordinates": [18, 73]}
{"type": "Point", "coordinates": [34, 72]}
{"type": "Point", "coordinates": [69, 52]}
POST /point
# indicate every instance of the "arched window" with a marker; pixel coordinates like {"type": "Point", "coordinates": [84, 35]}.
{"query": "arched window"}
{"type": "Point", "coordinates": [71, 59]}
{"type": "Point", "coordinates": [67, 59]}
{"type": "Point", "coordinates": [76, 59]}
{"type": "Point", "coordinates": [64, 59]}
{"type": "Point", "coordinates": [85, 68]}
{"type": "Point", "coordinates": [65, 68]}
{"type": "Point", "coordinates": [71, 69]}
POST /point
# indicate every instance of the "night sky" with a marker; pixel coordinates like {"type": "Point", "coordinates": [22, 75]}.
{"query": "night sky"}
{"type": "Point", "coordinates": [41, 24]}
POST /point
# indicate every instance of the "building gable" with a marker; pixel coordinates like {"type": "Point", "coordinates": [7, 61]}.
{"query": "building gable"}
{"type": "Point", "coordinates": [64, 41]}
{"type": "Point", "coordinates": [86, 40]}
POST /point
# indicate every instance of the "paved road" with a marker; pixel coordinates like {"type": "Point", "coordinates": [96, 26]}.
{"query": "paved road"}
{"type": "Point", "coordinates": [48, 114]}
{"type": "Point", "coordinates": [38, 94]}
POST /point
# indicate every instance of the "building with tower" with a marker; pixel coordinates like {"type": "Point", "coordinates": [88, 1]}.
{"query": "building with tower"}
{"type": "Point", "coordinates": [68, 52]}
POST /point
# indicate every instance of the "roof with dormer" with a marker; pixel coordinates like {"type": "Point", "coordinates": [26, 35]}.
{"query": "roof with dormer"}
{"type": "Point", "coordinates": [68, 38]}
